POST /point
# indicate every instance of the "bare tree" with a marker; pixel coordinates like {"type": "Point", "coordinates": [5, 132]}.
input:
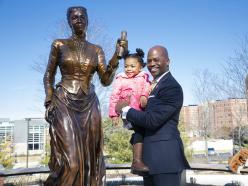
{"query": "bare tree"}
{"type": "Point", "coordinates": [235, 71]}
{"type": "Point", "coordinates": [205, 86]}
{"type": "Point", "coordinates": [96, 34]}
{"type": "Point", "coordinates": [230, 83]}
{"type": "Point", "coordinates": [209, 86]}
{"type": "Point", "coordinates": [239, 122]}
{"type": "Point", "coordinates": [204, 93]}
{"type": "Point", "coordinates": [240, 136]}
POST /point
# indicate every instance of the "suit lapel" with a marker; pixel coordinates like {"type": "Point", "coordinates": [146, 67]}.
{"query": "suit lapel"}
{"type": "Point", "coordinates": [160, 83]}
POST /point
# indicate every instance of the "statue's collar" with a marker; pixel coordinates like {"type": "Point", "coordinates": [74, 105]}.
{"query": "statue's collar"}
{"type": "Point", "coordinates": [80, 38]}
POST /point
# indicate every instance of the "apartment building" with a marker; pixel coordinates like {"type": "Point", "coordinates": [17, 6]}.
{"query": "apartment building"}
{"type": "Point", "coordinates": [215, 117]}
{"type": "Point", "coordinates": [190, 117]}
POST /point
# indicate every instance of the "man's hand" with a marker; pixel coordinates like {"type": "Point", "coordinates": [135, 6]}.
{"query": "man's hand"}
{"type": "Point", "coordinates": [120, 104]}
{"type": "Point", "coordinates": [143, 101]}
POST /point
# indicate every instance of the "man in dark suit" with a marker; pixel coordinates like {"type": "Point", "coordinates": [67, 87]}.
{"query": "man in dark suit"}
{"type": "Point", "coordinates": [163, 148]}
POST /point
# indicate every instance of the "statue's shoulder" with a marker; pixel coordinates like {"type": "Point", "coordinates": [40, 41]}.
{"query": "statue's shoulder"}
{"type": "Point", "coordinates": [59, 42]}
{"type": "Point", "coordinates": [94, 46]}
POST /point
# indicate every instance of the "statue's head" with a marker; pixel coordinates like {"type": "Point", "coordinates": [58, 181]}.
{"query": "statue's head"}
{"type": "Point", "coordinates": [77, 19]}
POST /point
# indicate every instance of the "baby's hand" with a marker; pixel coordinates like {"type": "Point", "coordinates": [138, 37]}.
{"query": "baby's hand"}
{"type": "Point", "coordinates": [115, 121]}
{"type": "Point", "coordinates": [143, 101]}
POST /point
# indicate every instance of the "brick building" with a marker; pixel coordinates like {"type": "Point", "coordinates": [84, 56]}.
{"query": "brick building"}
{"type": "Point", "coordinates": [217, 117]}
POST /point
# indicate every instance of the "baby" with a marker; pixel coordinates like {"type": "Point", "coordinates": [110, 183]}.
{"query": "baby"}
{"type": "Point", "coordinates": [133, 85]}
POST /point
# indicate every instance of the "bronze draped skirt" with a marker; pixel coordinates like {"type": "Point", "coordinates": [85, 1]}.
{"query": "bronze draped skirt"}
{"type": "Point", "coordinates": [76, 140]}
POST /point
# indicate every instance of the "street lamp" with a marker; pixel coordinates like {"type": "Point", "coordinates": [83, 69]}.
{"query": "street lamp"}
{"type": "Point", "coordinates": [28, 123]}
{"type": "Point", "coordinates": [28, 120]}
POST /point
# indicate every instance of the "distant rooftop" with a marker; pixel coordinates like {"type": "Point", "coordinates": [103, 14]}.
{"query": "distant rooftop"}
{"type": "Point", "coordinates": [4, 120]}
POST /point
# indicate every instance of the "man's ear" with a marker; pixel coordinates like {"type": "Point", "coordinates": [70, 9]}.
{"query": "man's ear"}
{"type": "Point", "coordinates": [168, 62]}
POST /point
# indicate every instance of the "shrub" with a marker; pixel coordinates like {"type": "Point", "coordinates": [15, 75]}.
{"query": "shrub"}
{"type": "Point", "coordinates": [116, 143]}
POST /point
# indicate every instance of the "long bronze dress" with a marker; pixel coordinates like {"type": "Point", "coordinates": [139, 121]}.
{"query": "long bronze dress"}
{"type": "Point", "coordinates": [74, 112]}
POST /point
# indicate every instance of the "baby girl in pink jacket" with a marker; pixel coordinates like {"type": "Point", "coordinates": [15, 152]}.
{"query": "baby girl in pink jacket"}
{"type": "Point", "coordinates": [133, 85]}
{"type": "Point", "coordinates": [133, 89]}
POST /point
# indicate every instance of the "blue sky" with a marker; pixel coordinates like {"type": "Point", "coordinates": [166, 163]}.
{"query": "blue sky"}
{"type": "Point", "coordinates": [197, 33]}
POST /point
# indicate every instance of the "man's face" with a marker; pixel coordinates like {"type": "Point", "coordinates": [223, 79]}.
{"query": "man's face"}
{"type": "Point", "coordinates": [78, 21]}
{"type": "Point", "coordinates": [157, 62]}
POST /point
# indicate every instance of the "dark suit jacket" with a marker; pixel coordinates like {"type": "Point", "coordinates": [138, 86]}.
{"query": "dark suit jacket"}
{"type": "Point", "coordinates": [163, 147]}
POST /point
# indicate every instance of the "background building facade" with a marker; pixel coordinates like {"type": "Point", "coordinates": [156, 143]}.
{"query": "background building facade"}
{"type": "Point", "coordinates": [217, 118]}
{"type": "Point", "coordinates": [28, 139]}
{"type": "Point", "coordinates": [6, 130]}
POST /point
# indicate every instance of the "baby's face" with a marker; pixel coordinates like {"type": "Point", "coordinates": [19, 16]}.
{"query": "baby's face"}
{"type": "Point", "coordinates": [132, 67]}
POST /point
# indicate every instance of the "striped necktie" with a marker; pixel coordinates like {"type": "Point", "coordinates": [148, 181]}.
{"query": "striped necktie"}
{"type": "Point", "coordinates": [153, 85]}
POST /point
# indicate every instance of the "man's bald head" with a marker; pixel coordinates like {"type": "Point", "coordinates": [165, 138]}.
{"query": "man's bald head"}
{"type": "Point", "coordinates": [160, 49]}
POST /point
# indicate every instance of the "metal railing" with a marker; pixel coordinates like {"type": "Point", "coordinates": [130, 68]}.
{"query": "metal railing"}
{"type": "Point", "coordinates": [122, 178]}
{"type": "Point", "coordinates": [42, 170]}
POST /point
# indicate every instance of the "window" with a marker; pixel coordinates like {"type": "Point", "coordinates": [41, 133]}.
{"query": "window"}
{"type": "Point", "coordinates": [6, 132]}
{"type": "Point", "coordinates": [36, 137]}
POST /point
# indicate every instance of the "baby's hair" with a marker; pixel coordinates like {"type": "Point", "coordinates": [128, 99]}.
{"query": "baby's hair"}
{"type": "Point", "coordinates": [139, 55]}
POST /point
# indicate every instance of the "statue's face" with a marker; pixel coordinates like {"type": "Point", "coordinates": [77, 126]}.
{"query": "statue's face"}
{"type": "Point", "coordinates": [78, 21]}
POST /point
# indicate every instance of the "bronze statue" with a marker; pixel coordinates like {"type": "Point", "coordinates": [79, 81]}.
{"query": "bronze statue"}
{"type": "Point", "coordinates": [72, 107]}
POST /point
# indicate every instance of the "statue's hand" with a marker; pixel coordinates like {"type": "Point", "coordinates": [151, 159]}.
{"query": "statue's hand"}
{"type": "Point", "coordinates": [49, 114]}
{"type": "Point", "coordinates": [47, 103]}
{"type": "Point", "coordinates": [121, 48]}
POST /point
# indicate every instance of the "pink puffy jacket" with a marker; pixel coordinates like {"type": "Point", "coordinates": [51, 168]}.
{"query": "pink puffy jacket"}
{"type": "Point", "coordinates": [130, 89]}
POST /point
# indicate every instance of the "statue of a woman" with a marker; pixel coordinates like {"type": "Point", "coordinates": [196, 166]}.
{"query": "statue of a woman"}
{"type": "Point", "coordinates": [72, 107]}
